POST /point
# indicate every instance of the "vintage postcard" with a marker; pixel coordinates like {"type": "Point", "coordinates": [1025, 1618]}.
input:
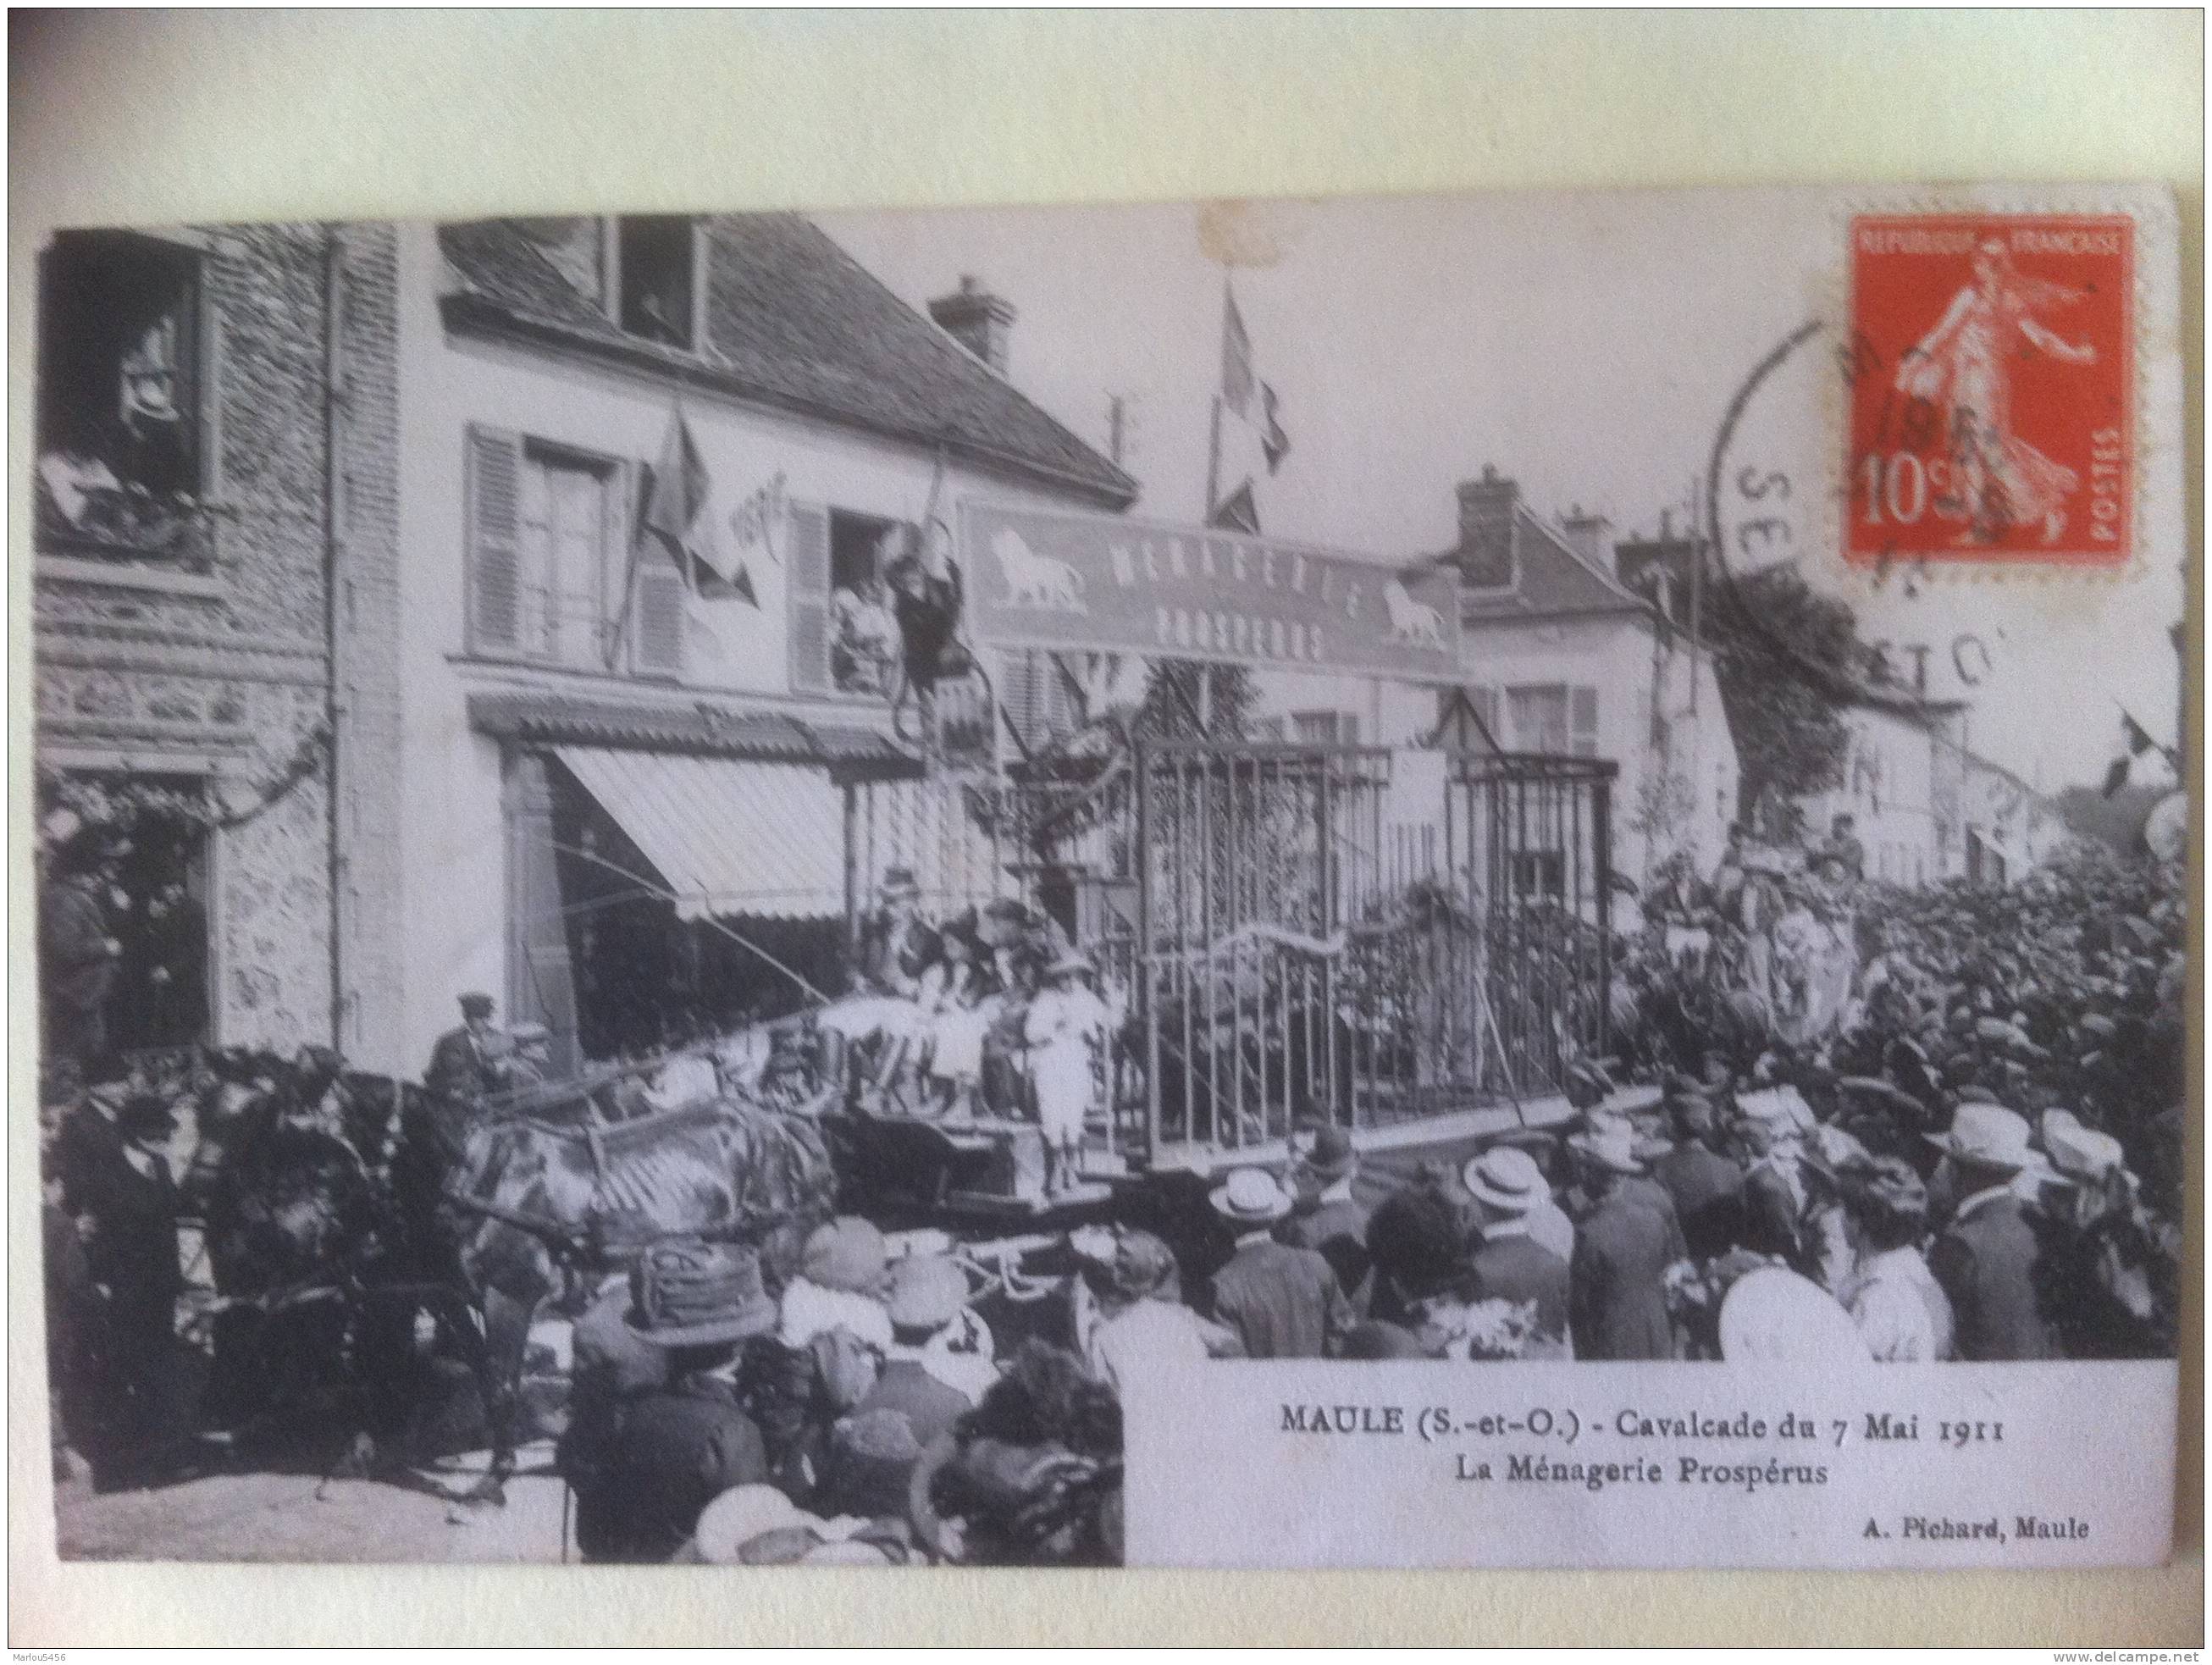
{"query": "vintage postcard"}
{"type": "Point", "coordinates": [1424, 882]}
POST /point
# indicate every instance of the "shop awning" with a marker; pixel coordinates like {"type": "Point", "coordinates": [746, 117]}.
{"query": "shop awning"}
{"type": "Point", "coordinates": [729, 838]}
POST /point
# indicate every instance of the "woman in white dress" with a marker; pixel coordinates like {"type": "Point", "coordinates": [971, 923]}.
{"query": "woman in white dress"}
{"type": "Point", "coordinates": [1899, 1308]}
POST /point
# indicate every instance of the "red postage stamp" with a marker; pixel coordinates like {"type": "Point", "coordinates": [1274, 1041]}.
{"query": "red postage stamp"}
{"type": "Point", "coordinates": [1992, 376]}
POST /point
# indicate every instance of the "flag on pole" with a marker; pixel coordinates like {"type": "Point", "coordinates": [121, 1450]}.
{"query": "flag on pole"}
{"type": "Point", "coordinates": [1274, 443]}
{"type": "Point", "coordinates": [675, 512]}
{"type": "Point", "coordinates": [1237, 512]}
{"type": "Point", "coordinates": [2138, 738]}
{"type": "Point", "coordinates": [1249, 438]}
{"type": "Point", "coordinates": [1235, 357]}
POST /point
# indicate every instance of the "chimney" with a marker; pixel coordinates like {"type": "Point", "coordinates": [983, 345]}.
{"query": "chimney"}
{"type": "Point", "coordinates": [1590, 535]}
{"type": "Point", "coordinates": [977, 320]}
{"type": "Point", "coordinates": [1487, 538]}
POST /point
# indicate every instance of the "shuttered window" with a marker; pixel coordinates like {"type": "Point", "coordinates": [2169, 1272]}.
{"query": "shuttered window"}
{"type": "Point", "coordinates": [494, 556]}
{"type": "Point", "coordinates": [1326, 727]}
{"type": "Point", "coordinates": [543, 527]}
{"type": "Point", "coordinates": [808, 564]}
{"type": "Point", "coordinates": [1582, 722]}
{"type": "Point", "coordinates": [660, 611]}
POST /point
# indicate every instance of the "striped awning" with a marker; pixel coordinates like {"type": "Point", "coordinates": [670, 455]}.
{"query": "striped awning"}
{"type": "Point", "coordinates": [762, 839]}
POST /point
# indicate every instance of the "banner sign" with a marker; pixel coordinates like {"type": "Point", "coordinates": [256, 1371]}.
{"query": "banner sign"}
{"type": "Point", "coordinates": [1098, 583]}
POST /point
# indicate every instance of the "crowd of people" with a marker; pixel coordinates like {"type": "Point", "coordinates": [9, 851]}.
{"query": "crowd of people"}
{"type": "Point", "coordinates": [990, 1013]}
{"type": "Point", "coordinates": [1974, 1154]}
{"type": "Point", "coordinates": [858, 1415]}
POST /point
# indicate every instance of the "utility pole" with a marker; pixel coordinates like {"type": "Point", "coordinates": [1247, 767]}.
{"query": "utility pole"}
{"type": "Point", "coordinates": [1697, 589]}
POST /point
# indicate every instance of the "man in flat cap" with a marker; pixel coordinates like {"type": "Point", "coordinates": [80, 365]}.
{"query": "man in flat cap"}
{"type": "Point", "coordinates": [1617, 1303]}
{"type": "Point", "coordinates": [465, 1063]}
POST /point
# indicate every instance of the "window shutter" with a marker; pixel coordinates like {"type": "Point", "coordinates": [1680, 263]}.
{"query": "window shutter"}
{"type": "Point", "coordinates": [495, 569]}
{"type": "Point", "coordinates": [1582, 722]}
{"type": "Point", "coordinates": [807, 563]}
{"type": "Point", "coordinates": [1018, 692]}
{"type": "Point", "coordinates": [657, 648]}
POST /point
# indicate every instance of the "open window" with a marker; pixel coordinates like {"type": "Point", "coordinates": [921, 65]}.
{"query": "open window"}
{"type": "Point", "coordinates": [121, 376]}
{"type": "Point", "coordinates": [655, 278]}
{"type": "Point", "coordinates": [863, 638]}
{"type": "Point", "coordinates": [1327, 728]}
{"type": "Point", "coordinates": [546, 560]}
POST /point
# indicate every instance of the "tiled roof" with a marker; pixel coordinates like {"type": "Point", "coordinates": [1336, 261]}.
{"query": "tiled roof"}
{"type": "Point", "coordinates": [1550, 578]}
{"type": "Point", "coordinates": [696, 727]}
{"type": "Point", "coordinates": [792, 320]}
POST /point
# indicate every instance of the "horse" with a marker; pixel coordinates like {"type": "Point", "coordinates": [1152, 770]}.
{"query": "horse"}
{"type": "Point", "coordinates": [322, 1253]}
{"type": "Point", "coordinates": [544, 1200]}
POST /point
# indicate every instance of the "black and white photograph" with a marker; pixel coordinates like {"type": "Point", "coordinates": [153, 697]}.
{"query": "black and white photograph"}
{"type": "Point", "coordinates": [1405, 881]}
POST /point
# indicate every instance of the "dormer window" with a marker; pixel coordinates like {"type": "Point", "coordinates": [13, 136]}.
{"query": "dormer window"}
{"type": "Point", "coordinates": [654, 280]}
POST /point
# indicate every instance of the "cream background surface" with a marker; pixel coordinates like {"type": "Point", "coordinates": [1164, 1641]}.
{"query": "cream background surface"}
{"type": "Point", "coordinates": [169, 118]}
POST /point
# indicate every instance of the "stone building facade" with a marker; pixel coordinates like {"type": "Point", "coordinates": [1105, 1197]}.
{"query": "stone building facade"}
{"type": "Point", "coordinates": [215, 489]}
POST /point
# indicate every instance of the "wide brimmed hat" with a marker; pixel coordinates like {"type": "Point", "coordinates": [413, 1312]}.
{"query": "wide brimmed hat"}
{"type": "Point", "coordinates": [1987, 1136]}
{"type": "Point", "coordinates": [1250, 1196]}
{"type": "Point", "coordinates": [1773, 1315]}
{"type": "Point", "coordinates": [2079, 1153]}
{"type": "Point", "coordinates": [1782, 1109]}
{"type": "Point", "coordinates": [847, 1254]}
{"type": "Point", "coordinates": [740, 1516]}
{"type": "Point", "coordinates": [898, 881]}
{"type": "Point", "coordinates": [926, 1292]}
{"type": "Point", "coordinates": [1873, 1090]}
{"type": "Point", "coordinates": [696, 1294]}
{"type": "Point", "coordinates": [136, 1106]}
{"type": "Point", "coordinates": [1332, 1156]}
{"type": "Point", "coordinates": [476, 1004]}
{"type": "Point", "coordinates": [1505, 1179]}
{"type": "Point", "coordinates": [529, 1035]}
{"type": "Point", "coordinates": [1070, 964]}
{"type": "Point", "coordinates": [1889, 1183]}
{"type": "Point", "coordinates": [1610, 1147]}
{"type": "Point", "coordinates": [1128, 1262]}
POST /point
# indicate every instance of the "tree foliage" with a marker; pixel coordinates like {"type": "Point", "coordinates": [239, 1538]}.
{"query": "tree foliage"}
{"type": "Point", "coordinates": [1783, 656]}
{"type": "Point", "coordinates": [1172, 695]}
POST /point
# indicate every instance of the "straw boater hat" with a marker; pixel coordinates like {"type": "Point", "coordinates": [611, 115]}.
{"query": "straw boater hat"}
{"type": "Point", "coordinates": [1986, 1136]}
{"type": "Point", "coordinates": [738, 1516]}
{"type": "Point", "coordinates": [1773, 1315]}
{"type": "Point", "coordinates": [2078, 1152]}
{"type": "Point", "coordinates": [926, 1292]}
{"type": "Point", "coordinates": [1612, 1145]}
{"type": "Point", "coordinates": [686, 1294]}
{"type": "Point", "coordinates": [1505, 1179]}
{"type": "Point", "coordinates": [899, 883]}
{"type": "Point", "coordinates": [1070, 964]}
{"type": "Point", "coordinates": [1250, 1196]}
{"type": "Point", "coordinates": [849, 1253]}
{"type": "Point", "coordinates": [1782, 1108]}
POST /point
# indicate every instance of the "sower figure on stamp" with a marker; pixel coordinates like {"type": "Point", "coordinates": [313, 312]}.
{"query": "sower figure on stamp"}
{"type": "Point", "coordinates": [1963, 368]}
